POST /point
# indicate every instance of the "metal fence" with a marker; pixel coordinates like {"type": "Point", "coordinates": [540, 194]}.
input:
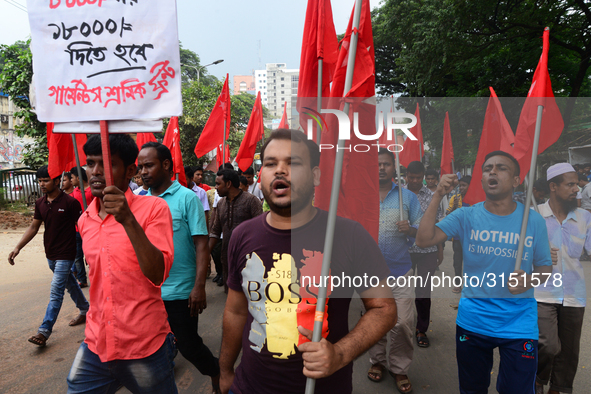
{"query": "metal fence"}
{"type": "Point", "coordinates": [20, 184]}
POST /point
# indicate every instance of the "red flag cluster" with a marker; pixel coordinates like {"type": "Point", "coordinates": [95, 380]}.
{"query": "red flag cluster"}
{"type": "Point", "coordinates": [61, 151]}
{"type": "Point", "coordinates": [213, 133]}
{"type": "Point", "coordinates": [253, 134]}
{"type": "Point", "coordinates": [172, 139]}
{"type": "Point", "coordinates": [447, 151]}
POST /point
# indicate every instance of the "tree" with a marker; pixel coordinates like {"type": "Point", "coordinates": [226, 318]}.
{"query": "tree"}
{"type": "Point", "coordinates": [190, 63]}
{"type": "Point", "coordinates": [451, 48]}
{"type": "Point", "coordinates": [15, 77]}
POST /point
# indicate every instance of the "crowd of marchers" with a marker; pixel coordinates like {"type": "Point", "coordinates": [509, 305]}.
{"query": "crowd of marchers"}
{"type": "Point", "coordinates": [146, 244]}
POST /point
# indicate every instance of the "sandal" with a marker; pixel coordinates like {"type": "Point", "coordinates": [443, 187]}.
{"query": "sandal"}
{"type": "Point", "coordinates": [38, 339]}
{"type": "Point", "coordinates": [378, 371]}
{"type": "Point", "coordinates": [402, 382]}
{"type": "Point", "coordinates": [80, 319]}
{"type": "Point", "coordinates": [422, 340]}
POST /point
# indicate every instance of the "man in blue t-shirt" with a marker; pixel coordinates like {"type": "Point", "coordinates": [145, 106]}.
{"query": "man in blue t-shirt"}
{"type": "Point", "coordinates": [497, 308]}
{"type": "Point", "coordinates": [183, 292]}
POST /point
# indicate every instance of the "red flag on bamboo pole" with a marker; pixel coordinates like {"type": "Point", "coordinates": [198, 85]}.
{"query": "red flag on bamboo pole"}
{"type": "Point", "coordinates": [284, 124]}
{"type": "Point", "coordinates": [540, 93]}
{"type": "Point", "coordinates": [319, 42]}
{"type": "Point", "coordinates": [496, 135]}
{"type": "Point", "coordinates": [252, 135]}
{"type": "Point", "coordinates": [172, 139]}
{"type": "Point", "coordinates": [212, 134]}
{"type": "Point", "coordinates": [447, 150]}
{"type": "Point", "coordinates": [219, 157]}
{"type": "Point", "coordinates": [413, 150]}
{"type": "Point", "coordinates": [143, 138]}
{"type": "Point", "coordinates": [61, 151]}
{"type": "Point", "coordinates": [359, 192]}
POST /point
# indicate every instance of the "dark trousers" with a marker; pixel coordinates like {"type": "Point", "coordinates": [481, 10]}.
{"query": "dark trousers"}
{"type": "Point", "coordinates": [517, 370]}
{"type": "Point", "coordinates": [78, 267]}
{"type": "Point", "coordinates": [423, 265]}
{"type": "Point", "coordinates": [458, 257]}
{"type": "Point", "coordinates": [560, 338]}
{"type": "Point", "coordinates": [216, 255]}
{"type": "Point", "coordinates": [189, 343]}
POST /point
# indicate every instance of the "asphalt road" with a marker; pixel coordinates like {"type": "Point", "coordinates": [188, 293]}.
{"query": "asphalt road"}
{"type": "Point", "coordinates": [25, 368]}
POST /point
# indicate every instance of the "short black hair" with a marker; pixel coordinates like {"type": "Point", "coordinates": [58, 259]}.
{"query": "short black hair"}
{"type": "Point", "coordinates": [508, 155]}
{"type": "Point", "coordinates": [586, 165]}
{"type": "Point", "coordinates": [69, 176]}
{"type": "Point", "coordinates": [542, 185]}
{"type": "Point", "coordinates": [74, 171]}
{"type": "Point", "coordinates": [189, 172]}
{"type": "Point", "coordinates": [415, 167]}
{"type": "Point", "coordinates": [121, 145]}
{"type": "Point", "coordinates": [466, 179]}
{"type": "Point", "coordinates": [161, 150]}
{"type": "Point", "coordinates": [243, 180]}
{"type": "Point", "coordinates": [198, 168]}
{"type": "Point", "coordinates": [249, 171]}
{"type": "Point", "coordinates": [384, 151]}
{"type": "Point", "coordinates": [432, 172]}
{"type": "Point", "coordinates": [229, 176]}
{"type": "Point", "coordinates": [558, 179]}
{"type": "Point", "coordinates": [583, 177]}
{"type": "Point", "coordinates": [42, 172]}
{"type": "Point", "coordinates": [294, 136]}
{"type": "Point", "coordinates": [226, 166]}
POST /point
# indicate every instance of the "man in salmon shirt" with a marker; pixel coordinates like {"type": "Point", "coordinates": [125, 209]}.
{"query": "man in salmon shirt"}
{"type": "Point", "coordinates": [128, 245]}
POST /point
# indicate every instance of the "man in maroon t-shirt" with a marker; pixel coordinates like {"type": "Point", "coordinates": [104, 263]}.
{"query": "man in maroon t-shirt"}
{"type": "Point", "coordinates": [59, 214]}
{"type": "Point", "coordinates": [274, 261]}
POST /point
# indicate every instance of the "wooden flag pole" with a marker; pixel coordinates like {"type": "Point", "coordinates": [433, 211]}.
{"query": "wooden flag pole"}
{"type": "Point", "coordinates": [530, 188]}
{"type": "Point", "coordinates": [106, 148]}
{"type": "Point", "coordinates": [400, 198]}
{"type": "Point", "coordinates": [224, 144]}
{"type": "Point", "coordinates": [334, 196]}
{"type": "Point", "coordinates": [81, 185]}
{"type": "Point", "coordinates": [319, 103]}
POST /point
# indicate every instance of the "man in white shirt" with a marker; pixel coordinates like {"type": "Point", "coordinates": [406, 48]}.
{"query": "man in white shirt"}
{"type": "Point", "coordinates": [253, 187]}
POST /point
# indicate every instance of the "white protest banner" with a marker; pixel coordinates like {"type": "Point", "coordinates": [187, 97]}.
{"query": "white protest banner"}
{"type": "Point", "coordinates": [105, 59]}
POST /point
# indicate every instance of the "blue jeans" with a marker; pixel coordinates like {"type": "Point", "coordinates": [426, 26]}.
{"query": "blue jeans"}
{"type": "Point", "coordinates": [150, 375]}
{"type": "Point", "coordinates": [63, 279]}
{"type": "Point", "coordinates": [79, 261]}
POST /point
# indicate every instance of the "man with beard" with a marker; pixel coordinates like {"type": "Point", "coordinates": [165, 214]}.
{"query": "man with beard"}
{"type": "Point", "coordinates": [183, 292]}
{"type": "Point", "coordinates": [268, 315]}
{"type": "Point", "coordinates": [562, 298]}
{"type": "Point", "coordinates": [233, 208]}
{"type": "Point", "coordinates": [127, 241]}
{"type": "Point", "coordinates": [501, 310]}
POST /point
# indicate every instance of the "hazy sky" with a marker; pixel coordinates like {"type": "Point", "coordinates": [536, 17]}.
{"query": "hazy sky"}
{"type": "Point", "coordinates": [223, 29]}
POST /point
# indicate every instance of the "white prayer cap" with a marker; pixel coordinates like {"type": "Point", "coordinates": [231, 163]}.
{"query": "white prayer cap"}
{"type": "Point", "coordinates": [558, 169]}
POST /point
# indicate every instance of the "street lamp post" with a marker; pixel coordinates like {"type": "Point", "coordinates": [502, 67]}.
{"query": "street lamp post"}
{"type": "Point", "coordinates": [202, 67]}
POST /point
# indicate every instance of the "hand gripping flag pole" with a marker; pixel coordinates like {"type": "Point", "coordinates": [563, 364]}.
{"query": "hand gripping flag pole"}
{"type": "Point", "coordinates": [334, 196]}
{"type": "Point", "coordinates": [106, 148]}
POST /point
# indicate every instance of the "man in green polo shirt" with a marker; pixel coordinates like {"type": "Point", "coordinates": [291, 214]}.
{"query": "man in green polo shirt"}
{"type": "Point", "coordinates": [184, 290]}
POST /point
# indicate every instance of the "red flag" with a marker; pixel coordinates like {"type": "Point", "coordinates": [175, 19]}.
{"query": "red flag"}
{"type": "Point", "coordinates": [319, 42]}
{"type": "Point", "coordinates": [359, 192]}
{"type": "Point", "coordinates": [212, 134]}
{"type": "Point", "coordinates": [496, 135]}
{"type": "Point", "coordinates": [413, 150]}
{"type": "Point", "coordinates": [143, 138]}
{"type": "Point", "coordinates": [220, 158]}
{"type": "Point", "coordinates": [283, 124]}
{"type": "Point", "coordinates": [447, 150]}
{"type": "Point", "coordinates": [252, 135]}
{"type": "Point", "coordinates": [61, 151]}
{"type": "Point", "coordinates": [172, 139]}
{"type": "Point", "coordinates": [540, 93]}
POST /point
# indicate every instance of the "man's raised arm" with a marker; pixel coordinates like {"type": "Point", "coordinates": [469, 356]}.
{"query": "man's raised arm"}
{"type": "Point", "coordinates": [429, 234]}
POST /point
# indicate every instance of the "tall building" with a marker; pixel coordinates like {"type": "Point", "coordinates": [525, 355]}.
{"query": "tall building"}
{"type": "Point", "coordinates": [281, 87]}
{"type": "Point", "coordinates": [243, 84]}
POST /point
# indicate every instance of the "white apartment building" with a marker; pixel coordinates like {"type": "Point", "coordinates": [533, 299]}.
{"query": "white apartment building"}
{"type": "Point", "coordinates": [278, 86]}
